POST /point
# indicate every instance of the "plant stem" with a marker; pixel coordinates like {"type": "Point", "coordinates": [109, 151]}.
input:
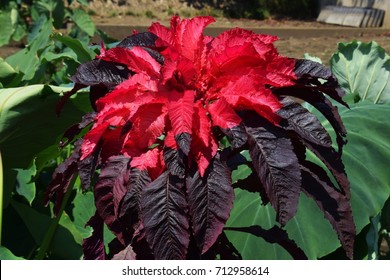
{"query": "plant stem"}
{"type": "Point", "coordinates": [53, 226]}
{"type": "Point", "coordinates": [1, 196]}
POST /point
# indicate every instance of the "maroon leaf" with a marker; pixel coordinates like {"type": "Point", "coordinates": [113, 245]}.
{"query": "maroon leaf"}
{"type": "Point", "coordinates": [304, 123]}
{"type": "Point", "coordinates": [309, 72]}
{"type": "Point", "coordinates": [143, 39]}
{"type": "Point", "coordinates": [175, 160]}
{"type": "Point", "coordinates": [335, 205]}
{"type": "Point", "coordinates": [100, 72]}
{"type": "Point", "coordinates": [210, 200]}
{"type": "Point", "coordinates": [130, 206]}
{"type": "Point", "coordinates": [110, 189]}
{"type": "Point", "coordinates": [253, 184]}
{"type": "Point", "coordinates": [62, 178]}
{"type": "Point", "coordinates": [332, 160]}
{"type": "Point", "coordinates": [87, 168]}
{"type": "Point", "coordinates": [165, 218]}
{"type": "Point", "coordinates": [93, 246]}
{"type": "Point", "coordinates": [323, 105]}
{"type": "Point", "coordinates": [75, 129]}
{"type": "Point", "coordinates": [275, 235]}
{"type": "Point", "coordinates": [277, 166]}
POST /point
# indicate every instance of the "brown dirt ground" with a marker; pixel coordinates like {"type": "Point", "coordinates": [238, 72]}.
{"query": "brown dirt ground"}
{"type": "Point", "coordinates": [144, 12]}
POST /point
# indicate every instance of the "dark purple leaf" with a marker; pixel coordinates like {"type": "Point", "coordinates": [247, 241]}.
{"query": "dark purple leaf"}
{"type": "Point", "coordinates": [100, 75]}
{"type": "Point", "coordinates": [75, 129]}
{"type": "Point", "coordinates": [210, 200]}
{"type": "Point", "coordinates": [274, 235]}
{"type": "Point", "coordinates": [304, 123]}
{"type": "Point", "coordinates": [143, 39]}
{"type": "Point", "coordinates": [165, 217]}
{"type": "Point", "coordinates": [175, 161]}
{"type": "Point", "coordinates": [236, 135]}
{"type": "Point", "coordinates": [276, 164]}
{"type": "Point", "coordinates": [323, 105]}
{"type": "Point", "coordinates": [335, 205]}
{"type": "Point", "coordinates": [62, 178]}
{"type": "Point", "coordinates": [332, 160]}
{"type": "Point", "coordinates": [253, 184]}
{"type": "Point", "coordinates": [309, 72]}
{"type": "Point", "coordinates": [129, 208]}
{"type": "Point", "coordinates": [87, 168]}
{"type": "Point", "coordinates": [110, 189]}
{"type": "Point", "coordinates": [100, 72]}
{"type": "Point", "coordinates": [93, 246]}
{"type": "Point", "coordinates": [183, 141]}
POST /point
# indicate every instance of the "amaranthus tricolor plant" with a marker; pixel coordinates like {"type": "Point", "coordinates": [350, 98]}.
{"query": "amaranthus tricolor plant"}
{"type": "Point", "coordinates": [174, 111]}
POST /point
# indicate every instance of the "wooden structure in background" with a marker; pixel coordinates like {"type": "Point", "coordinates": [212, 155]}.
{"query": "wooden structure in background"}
{"type": "Point", "coordinates": [356, 13]}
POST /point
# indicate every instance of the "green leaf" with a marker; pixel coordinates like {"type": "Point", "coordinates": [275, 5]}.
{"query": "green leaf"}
{"type": "Point", "coordinates": [363, 71]}
{"type": "Point", "coordinates": [6, 70]}
{"type": "Point", "coordinates": [366, 158]}
{"type": "Point", "coordinates": [8, 76]}
{"type": "Point", "coordinates": [84, 209]}
{"type": "Point", "coordinates": [312, 58]}
{"type": "Point", "coordinates": [240, 173]}
{"type": "Point", "coordinates": [28, 123]}
{"type": "Point", "coordinates": [6, 27]}
{"type": "Point", "coordinates": [63, 245]}
{"type": "Point", "coordinates": [84, 22]}
{"type": "Point", "coordinates": [84, 54]}
{"type": "Point", "coordinates": [6, 254]}
{"type": "Point", "coordinates": [27, 60]}
{"type": "Point", "coordinates": [25, 182]}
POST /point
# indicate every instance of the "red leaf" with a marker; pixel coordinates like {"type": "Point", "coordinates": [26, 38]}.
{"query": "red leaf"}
{"type": "Point", "coordinates": [180, 112]}
{"type": "Point", "coordinates": [151, 161]}
{"type": "Point", "coordinates": [204, 145]}
{"type": "Point", "coordinates": [148, 125]}
{"type": "Point", "coordinates": [136, 59]}
{"type": "Point", "coordinates": [165, 218]}
{"type": "Point", "coordinates": [223, 115]}
{"type": "Point", "coordinates": [210, 201]}
{"type": "Point", "coordinates": [91, 139]}
{"type": "Point", "coordinates": [191, 31]}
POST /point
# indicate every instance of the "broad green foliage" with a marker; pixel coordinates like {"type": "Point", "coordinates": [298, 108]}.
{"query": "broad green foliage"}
{"type": "Point", "coordinates": [363, 70]}
{"type": "Point", "coordinates": [6, 254]}
{"type": "Point", "coordinates": [15, 26]}
{"type": "Point", "coordinates": [12, 26]}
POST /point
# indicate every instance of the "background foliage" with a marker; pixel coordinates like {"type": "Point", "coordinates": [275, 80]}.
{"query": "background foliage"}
{"type": "Point", "coordinates": [260, 9]}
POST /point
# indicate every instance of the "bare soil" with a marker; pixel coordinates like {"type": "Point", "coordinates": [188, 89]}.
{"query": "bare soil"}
{"type": "Point", "coordinates": [144, 12]}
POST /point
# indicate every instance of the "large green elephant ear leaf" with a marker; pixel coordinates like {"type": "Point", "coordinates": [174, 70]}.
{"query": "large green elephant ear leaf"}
{"type": "Point", "coordinates": [29, 125]}
{"type": "Point", "coordinates": [363, 71]}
